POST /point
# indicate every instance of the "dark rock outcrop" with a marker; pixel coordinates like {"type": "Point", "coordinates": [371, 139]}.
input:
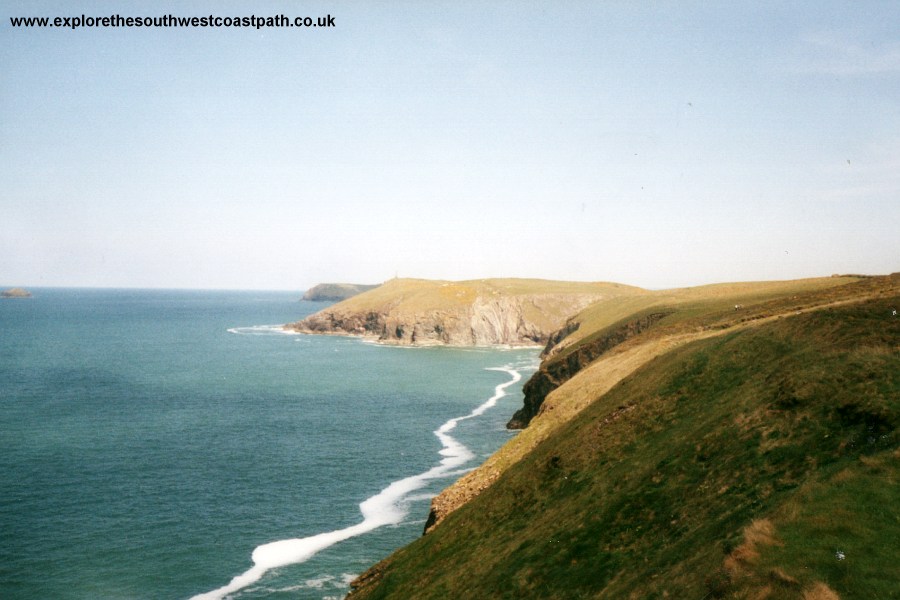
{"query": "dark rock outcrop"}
{"type": "Point", "coordinates": [483, 312]}
{"type": "Point", "coordinates": [484, 322]}
{"type": "Point", "coordinates": [559, 335]}
{"type": "Point", "coordinates": [553, 373]}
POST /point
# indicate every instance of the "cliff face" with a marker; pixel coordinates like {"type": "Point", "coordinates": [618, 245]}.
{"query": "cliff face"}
{"type": "Point", "coordinates": [600, 346]}
{"type": "Point", "coordinates": [484, 322]}
{"type": "Point", "coordinates": [480, 313]}
{"type": "Point", "coordinates": [554, 372]}
{"type": "Point", "coordinates": [778, 392]}
{"type": "Point", "coordinates": [732, 464]}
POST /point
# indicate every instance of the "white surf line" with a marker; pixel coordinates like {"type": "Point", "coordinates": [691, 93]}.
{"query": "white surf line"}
{"type": "Point", "coordinates": [384, 508]}
{"type": "Point", "coordinates": [262, 330]}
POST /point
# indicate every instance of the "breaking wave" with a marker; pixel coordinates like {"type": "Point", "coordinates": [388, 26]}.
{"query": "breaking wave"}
{"type": "Point", "coordinates": [262, 330]}
{"type": "Point", "coordinates": [388, 507]}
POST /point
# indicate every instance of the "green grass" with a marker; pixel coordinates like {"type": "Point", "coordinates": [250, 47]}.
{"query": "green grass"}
{"type": "Point", "coordinates": [685, 304]}
{"type": "Point", "coordinates": [709, 307]}
{"type": "Point", "coordinates": [541, 306]}
{"type": "Point", "coordinates": [648, 491]}
{"type": "Point", "coordinates": [853, 512]}
{"type": "Point", "coordinates": [426, 294]}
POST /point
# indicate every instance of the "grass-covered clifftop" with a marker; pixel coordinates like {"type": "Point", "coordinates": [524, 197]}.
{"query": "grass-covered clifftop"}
{"type": "Point", "coordinates": [744, 454]}
{"type": "Point", "coordinates": [612, 344]}
{"type": "Point", "coordinates": [607, 323]}
{"type": "Point", "coordinates": [463, 313]}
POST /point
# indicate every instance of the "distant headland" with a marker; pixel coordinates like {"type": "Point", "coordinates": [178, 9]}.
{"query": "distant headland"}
{"type": "Point", "coordinates": [335, 292]}
{"type": "Point", "coordinates": [484, 312]}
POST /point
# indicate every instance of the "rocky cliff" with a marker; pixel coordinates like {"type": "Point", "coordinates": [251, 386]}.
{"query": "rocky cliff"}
{"type": "Point", "coordinates": [474, 313]}
{"type": "Point", "coordinates": [611, 339]}
{"type": "Point", "coordinates": [561, 368]}
{"type": "Point", "coordinates": [722, 453]}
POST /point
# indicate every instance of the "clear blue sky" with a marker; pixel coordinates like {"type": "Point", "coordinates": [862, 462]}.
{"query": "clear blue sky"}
{"type": "Point", "coordinates": [657, 144]}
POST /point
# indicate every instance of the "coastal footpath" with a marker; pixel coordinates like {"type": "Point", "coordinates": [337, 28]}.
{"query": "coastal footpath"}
{"type": "Point", "coordinates": [734, 440]}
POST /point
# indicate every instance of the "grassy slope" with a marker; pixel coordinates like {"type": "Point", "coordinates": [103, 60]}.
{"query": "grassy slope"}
{"type": "Point", "coordinates": [551, 301]}
{"type": "Point", "coordinates": [736, 464]}
{"type": "Point", "coordinates": [427, 294]}
{"type": "Point", "coordinates": [697, 317]}
{"type": "Point", "coordinates": [687, 303]}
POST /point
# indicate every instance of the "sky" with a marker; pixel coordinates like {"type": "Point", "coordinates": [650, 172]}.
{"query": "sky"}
{"type": "Point", "coordinates": [659, 144]}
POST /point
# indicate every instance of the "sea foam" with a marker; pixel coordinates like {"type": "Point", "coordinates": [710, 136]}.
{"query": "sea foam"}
{"type": "Point", "coordinates": [385, 508]}
{"type": "Point", "coordinates": [262, 330]}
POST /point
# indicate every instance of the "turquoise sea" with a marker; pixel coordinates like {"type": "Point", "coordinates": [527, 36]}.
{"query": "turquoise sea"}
{"type": "Point", "coordinates": [154, 444]}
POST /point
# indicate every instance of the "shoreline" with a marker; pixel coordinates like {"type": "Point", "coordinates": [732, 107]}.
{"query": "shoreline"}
{"type": "Point", "coordinates": [384, 508]}
{"type": "Point", "coordinates": [373, 339]}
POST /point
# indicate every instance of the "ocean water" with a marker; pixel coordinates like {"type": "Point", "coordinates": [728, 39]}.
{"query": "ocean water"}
{"type": "Point", "coordinates": [172, 444]}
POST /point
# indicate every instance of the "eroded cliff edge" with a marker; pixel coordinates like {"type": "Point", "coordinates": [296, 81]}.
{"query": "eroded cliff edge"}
{"type": "Point", "coordinates": [778, 391]}
{"type": "Point", "coordinates": [513, 312]}
{"type": "Point", "coordinates": [609, 340]}
{"type": "Point", "coordinates": [556, 371]}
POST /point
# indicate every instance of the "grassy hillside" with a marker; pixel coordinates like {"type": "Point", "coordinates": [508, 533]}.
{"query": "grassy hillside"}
{"type": "Point", "coordinates": [416, 296]}
{"type": "Point", "coordinates": [479, 312]}
{"type": "Point", "coordinates": [685, 312]}
{"type": "Point", "coordinates": [685, 303]}
{"type": "Point", "coordinates": [758, 463]}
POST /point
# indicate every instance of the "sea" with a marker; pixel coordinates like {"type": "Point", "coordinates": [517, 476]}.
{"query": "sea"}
{"type": "Point", "coordinates": [165, 444]}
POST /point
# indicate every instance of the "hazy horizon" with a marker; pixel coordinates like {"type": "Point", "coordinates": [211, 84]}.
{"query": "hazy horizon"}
{"type": "Point", "coordinates": [304, 289]}
{"type": "Point", "coordinates": [651, 145]}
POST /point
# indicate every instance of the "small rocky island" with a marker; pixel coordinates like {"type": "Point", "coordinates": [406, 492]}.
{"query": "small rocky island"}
{"type": "Point", "coordinates": [15, 293]}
